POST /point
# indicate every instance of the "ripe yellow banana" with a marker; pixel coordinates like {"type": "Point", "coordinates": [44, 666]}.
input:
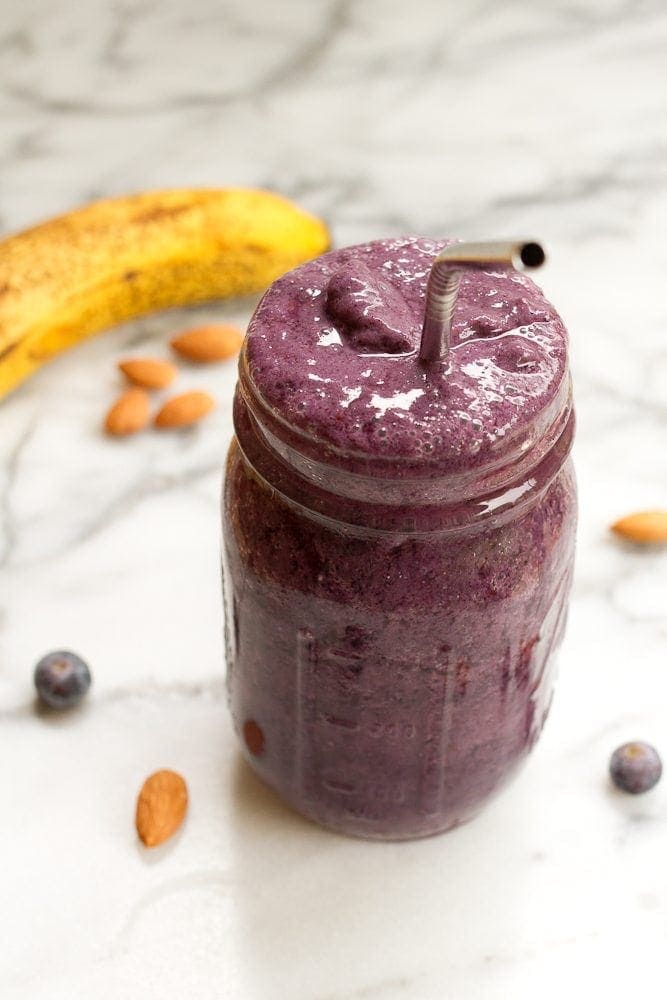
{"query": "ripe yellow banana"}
{"type": "Point", "coordinates": [100, 265]}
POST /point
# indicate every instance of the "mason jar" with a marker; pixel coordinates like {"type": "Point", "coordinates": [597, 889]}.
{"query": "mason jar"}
{"type": "Point", "coordinates": [394, 599]}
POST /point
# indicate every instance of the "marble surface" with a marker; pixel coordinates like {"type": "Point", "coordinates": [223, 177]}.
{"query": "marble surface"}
{"type": "Point", "coordinates": [470, 119]}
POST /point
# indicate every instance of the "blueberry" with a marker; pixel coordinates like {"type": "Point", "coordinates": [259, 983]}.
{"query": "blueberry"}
{"type": "Point", "coordinates": [635, 767]}
{"type": "Point", "coordinates": [254, 737]}
{"type": "Point", "coordinates": [61, 679]}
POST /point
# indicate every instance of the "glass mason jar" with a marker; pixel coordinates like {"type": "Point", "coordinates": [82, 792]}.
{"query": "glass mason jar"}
{"type": "Point", "coordinates": [390, 629]}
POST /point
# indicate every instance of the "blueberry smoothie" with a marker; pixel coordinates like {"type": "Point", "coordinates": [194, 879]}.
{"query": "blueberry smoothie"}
{"type": "Point", "coordinates": [399, 539]}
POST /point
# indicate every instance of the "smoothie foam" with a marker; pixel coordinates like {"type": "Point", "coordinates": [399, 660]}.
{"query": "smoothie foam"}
{"type": "Point", "coordinates": [332, 348]}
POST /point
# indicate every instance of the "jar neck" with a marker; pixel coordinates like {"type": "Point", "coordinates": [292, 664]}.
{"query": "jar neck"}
{"type": "Point", "coordinates": [408, 496]}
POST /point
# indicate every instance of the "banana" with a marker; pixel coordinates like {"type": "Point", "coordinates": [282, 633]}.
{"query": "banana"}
{"type": "Point", "coordinates": [93, 268]}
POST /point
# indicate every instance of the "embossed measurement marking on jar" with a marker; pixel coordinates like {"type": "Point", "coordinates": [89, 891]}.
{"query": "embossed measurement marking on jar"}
{"type": "Point", "coordinates": [322, 724]}
{"type": "Point", "coordinates": [550, 634]}
{"type": "Point", "coordinates": [306, 701]}
{"type": "Point", "coordinates": [335, 724]}
{"type": "Point", "coordinates": [444, 686]}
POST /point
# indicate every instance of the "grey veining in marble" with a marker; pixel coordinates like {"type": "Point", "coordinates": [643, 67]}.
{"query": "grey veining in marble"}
{"type": "Point", "coordinates": [474, 119]}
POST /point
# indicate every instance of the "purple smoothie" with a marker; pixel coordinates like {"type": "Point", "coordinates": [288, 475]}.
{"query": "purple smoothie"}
{"type": "Point", "coordinates": [398, 539]}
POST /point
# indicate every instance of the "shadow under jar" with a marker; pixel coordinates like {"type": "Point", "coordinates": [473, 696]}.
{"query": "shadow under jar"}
{"type": "Point", "coordinates": [398, 540]}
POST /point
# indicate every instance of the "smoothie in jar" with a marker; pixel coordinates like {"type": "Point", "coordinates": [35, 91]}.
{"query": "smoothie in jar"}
{"type": "Point", "coordinates": [398, 539]}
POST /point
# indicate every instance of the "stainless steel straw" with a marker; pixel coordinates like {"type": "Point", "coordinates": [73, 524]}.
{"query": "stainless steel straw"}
{"type": "Point", "coordinates": [445, 277]}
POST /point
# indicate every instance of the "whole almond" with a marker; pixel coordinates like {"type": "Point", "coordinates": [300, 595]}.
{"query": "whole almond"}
{"type": "Point", "coordinates": [215, 342]}
{"type": "Point", "coordinates": [150, 373]}
{"type": "Point", "coordinates": [183, 410]}
{"type": "Point", "coordinates": [128, 414]}
{"type": "Point", "coordinates": [647, 527]}
{"type": "Point", "coordinates": [161, 806]}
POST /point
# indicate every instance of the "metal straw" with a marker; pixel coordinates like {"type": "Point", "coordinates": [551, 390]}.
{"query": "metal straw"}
{"type": "Point", "coordinates": [443, 285]}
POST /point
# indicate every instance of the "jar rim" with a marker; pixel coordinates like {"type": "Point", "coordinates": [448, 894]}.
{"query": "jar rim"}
{"type": "Point", "coordinates": [358, 473]}
{"type": "Point", "coordinates": [458, 516]}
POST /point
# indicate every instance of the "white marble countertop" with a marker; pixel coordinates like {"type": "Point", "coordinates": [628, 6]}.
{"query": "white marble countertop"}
{"type": "Point", "coordinates": [468, 119]}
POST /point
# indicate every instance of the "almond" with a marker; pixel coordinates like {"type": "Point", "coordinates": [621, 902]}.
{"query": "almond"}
{"type": "Point", "coordinates": [215, 342]}
{"type": "Point", "coordinates": [188, 408]}
{"type": "Point", "coordinates": [161, 806]}
{"type": "Point", "coordinates": [151, 373]}
{"type": "Point", "coordinates": [645, 527]}
{"type": "Point", "coordinates": [128, 414]}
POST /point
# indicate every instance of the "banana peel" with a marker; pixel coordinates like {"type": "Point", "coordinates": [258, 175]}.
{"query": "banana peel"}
{"type": "Point", "coordinates": [110, 261]}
